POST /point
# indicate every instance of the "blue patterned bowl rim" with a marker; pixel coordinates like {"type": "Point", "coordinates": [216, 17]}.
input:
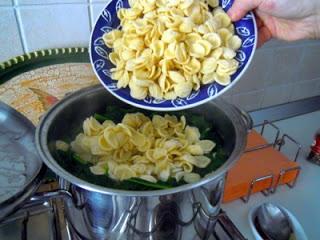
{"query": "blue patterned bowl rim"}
{"type": "Point", "coordinates": [193, 100]}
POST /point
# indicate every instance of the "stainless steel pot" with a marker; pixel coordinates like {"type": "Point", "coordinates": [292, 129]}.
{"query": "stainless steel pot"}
{"type": "Point", "coordinates": [96, 212]}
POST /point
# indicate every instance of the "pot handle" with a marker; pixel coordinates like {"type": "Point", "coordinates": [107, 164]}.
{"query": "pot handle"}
{"type": "Point", "coordinates": [209, 200]}
{"type": "Point", "coordinates": [50, 195]}
{"type": "Point", "coordinates": [41, 197]}
{"type": "Point", "coordinates": [246, 119]}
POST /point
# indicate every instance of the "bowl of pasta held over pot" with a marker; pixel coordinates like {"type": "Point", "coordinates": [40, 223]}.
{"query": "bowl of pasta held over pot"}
{"type": "Point", "coordinates": [170, 55]}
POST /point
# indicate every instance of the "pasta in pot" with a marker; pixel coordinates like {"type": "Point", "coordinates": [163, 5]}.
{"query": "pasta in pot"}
{"type": "Point", "coordinates": [166, 48]}
{"type": "Point", "coordinates": [152, 149]}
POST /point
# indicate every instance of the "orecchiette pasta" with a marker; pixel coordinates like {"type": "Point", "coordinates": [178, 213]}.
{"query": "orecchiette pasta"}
{"type": "Point", "coordinates": [167, 48]}
{"type": "Point", "coordinates": [148, 148]}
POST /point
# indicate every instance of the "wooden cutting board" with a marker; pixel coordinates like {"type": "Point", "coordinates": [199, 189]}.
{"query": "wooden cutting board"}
{"type": "Point", "coordinates": [256, 164]}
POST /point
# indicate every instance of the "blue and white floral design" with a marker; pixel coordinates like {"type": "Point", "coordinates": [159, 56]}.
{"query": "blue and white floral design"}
{"type": "Point", "coordinates": [108, 20]}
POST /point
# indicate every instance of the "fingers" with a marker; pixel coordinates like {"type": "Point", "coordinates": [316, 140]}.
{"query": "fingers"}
{"type": "Point", "coordinates": [240, 8]}
{"type": "Point", "coordinates": [264, 30]}
{"type": "Point", "coordinates": [264, 36]}
{"type": "Point", "coordinates": [259, 22]}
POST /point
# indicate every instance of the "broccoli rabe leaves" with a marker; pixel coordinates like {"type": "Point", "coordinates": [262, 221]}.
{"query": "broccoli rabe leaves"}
{"type": "Point", "coordinates": [217, 159]}
{"type": "Point", "coordinates": [80, 168]}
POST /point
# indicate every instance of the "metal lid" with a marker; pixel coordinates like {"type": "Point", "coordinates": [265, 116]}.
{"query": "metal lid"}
{"type": "Point", "coordinates": [20, 165]}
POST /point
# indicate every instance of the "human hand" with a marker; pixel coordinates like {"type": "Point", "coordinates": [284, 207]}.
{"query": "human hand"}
{"type": "Point", "coordinates": [282, 19]}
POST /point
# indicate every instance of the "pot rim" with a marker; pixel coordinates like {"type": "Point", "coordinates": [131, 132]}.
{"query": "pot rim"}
{"type": "Point", "coordinates": [42, 147]}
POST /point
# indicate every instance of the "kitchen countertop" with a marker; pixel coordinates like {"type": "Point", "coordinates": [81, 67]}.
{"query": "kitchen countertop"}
{"type": "Point", "coordinates": [304, 199]}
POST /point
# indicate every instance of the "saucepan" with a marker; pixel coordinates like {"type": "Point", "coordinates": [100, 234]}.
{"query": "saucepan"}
{"type": "Point", "coordinates": [97, 212]}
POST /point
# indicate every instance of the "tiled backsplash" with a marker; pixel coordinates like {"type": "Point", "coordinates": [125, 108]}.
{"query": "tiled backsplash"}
{"type": "Point", "coordinates": [280, 72]}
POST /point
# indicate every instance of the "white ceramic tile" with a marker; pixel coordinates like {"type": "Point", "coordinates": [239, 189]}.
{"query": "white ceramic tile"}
{"type": "Point", "coordinates": [257, 73]}
{"type": "Point", "coordinates": [228, 93]}
{"type": "Point", "coordinates": [43, 2]}
{"type": "Point", "coordinates": [9, 38]}
{"type": "Point", "coordinates": [276, 95]}
{"type": "Point", "coordinates": [5, 2]}
{"type": "Point", "coordinates": [305, 89]}
{"type": "Point", "coordinates": [249, 101]}
{"type": "Point", "coordinates": [55, 26]}
{"type": "Point", "coordinates": [276, 43]}
{"type": "Point", "coordinates": [284, 66]}
{"type": "Point", "coordinates": [96, 9]}
{"type": "Point", "coordinates": [306, 42]}
{"type": "Point", "coordinates": [309, 68]}
{"type": "Point", "coordinates": [273, 43]}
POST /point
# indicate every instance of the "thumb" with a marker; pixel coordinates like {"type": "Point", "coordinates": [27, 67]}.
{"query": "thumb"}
{"type": "Point", "coordinates": [240, 8]}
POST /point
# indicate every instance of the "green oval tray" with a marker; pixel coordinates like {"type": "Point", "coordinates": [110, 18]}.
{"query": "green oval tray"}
{"type": "Point", "coordinates": [33, 60]}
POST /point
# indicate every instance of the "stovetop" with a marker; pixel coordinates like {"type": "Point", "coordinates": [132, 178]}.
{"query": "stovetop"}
{"type": "Point", "coordinates": [46, 221]}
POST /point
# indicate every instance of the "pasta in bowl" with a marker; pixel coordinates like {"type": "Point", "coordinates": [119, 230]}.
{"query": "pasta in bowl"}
{"type": "Point", "coordinates": [170, 55]}
{"type": "Point", "coordinates": [133, 150]}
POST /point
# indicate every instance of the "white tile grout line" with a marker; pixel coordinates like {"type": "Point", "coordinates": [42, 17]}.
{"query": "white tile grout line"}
{"type": "Point", "coordinates": [90, 14]}
{"type": "Point", "coordinates": [16, 5]}
{"type": "Point", "coordinates": [47, 4]}
{"type": "Point", "coordinates": [20, 27]}
{"type": "Point", "coordinates": [15, 2]}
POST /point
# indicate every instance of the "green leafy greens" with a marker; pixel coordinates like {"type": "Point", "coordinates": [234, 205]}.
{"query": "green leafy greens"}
{"type": "Point", "coordinates": [80, 168]}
